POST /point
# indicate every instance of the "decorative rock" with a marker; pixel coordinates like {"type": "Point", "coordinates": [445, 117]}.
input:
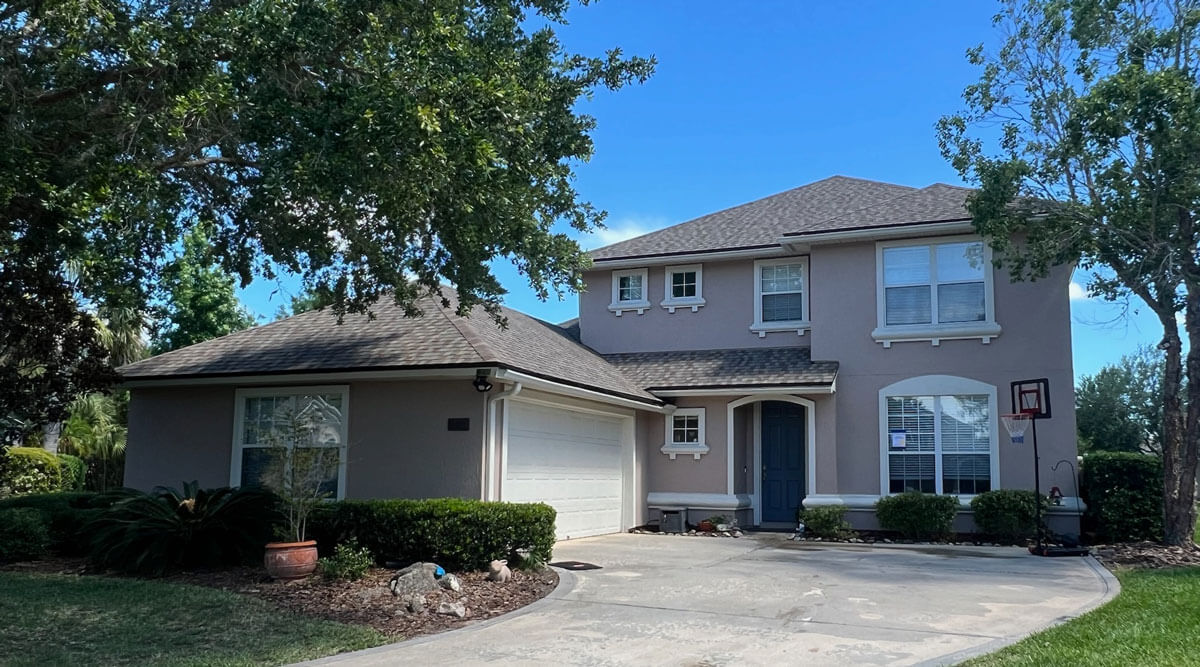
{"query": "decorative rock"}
{"type": "Point", "coordinates": [452, 609]}
{"type": "Point", "coordinates": [450, 582]}
{"type": "Point", "coordinates": [498, 571]}
{"type": "Point", "coordinates": [416, 579]}
{"type": "Point", "coordinates": [414, 603]}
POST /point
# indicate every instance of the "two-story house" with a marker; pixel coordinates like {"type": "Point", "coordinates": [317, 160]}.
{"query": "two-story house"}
{"type": "Point", "coordinates": [830, 344]}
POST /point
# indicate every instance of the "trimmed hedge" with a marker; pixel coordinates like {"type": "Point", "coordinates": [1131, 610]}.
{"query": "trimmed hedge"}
{"type": "Point", "coordinates": [1124, 496]}
{"type": "Point", "coordinates": [74, 472]}
{"type": "Point", "coordinates": [23, 535]}
{"type": "Point", "coordinates": [1007, 514]}
{"type": "Point", "coordinates": [64, 515]}
{"type": "Point", "coordinates": [826, 522]}
{"type": "Point", "coordinates": [455, 533]}
{"type": "Point", "coordinates": [28, 470]}
{"type": "Point", "coordinates": [916, 515]}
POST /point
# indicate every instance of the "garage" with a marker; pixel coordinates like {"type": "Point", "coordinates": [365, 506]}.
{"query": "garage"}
{"type": "Point", "coordinates": [570, 459]}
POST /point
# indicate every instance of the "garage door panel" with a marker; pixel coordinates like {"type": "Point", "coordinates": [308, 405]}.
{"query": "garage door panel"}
{"type": "Point", "coordinates": [570, 460]}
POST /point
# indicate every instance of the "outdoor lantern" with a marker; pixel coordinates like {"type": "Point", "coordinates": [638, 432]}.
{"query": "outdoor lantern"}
{"type": "Point", "coordinates": [480, 382]}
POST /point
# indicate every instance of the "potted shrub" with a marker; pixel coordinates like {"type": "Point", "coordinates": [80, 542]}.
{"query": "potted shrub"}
{"type": "Point", "coordinates": [302, 470]}
{"type": "Point", "coordinates": [710, 524]}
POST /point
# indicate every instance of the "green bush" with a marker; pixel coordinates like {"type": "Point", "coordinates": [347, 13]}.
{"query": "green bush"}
{"type": "Point", "coordinates": [827, 522]}
{"type": "Point", "coordinates": [349, 561]}
{"type": "Point", "coordinates": [1007, 514]}
{"type": "Point", "coordinates": [154, 532]}
{"type": "Point", "coordinates": [30, 470]}
{"type": "Point", "coordinates": [65, 515]}
{"type": "Point", "coordinates": [74, 472]}
{"type": "Point", "coordinates": [916, 515]}
{"type": "Point", "coordinates": [455, 533]}
{"type": "Point", "coordinates": [23, 535]}
{"type": "Point", "coordinates": [1124, 496]}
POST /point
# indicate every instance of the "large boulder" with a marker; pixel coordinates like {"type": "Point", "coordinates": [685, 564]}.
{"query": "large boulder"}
{"type": "Point", "coordinates": [416, 579]}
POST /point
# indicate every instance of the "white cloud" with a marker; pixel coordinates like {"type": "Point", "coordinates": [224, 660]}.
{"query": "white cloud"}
{"type": "Point", "coordinates": [620, 230]}
{"type": "Point", "coordinates": [1077, 292]}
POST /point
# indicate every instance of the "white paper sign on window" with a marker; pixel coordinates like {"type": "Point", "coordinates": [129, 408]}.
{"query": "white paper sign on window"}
{"type": "Point", "coordinates": [899, 438]}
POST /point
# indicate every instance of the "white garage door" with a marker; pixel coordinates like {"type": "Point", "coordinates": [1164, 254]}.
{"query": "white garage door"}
{"type": "Point", "coordinates": [569, 460]}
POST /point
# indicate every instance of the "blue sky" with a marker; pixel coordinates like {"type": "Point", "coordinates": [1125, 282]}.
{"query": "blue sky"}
{"type": "Point", "coordinates": [752, 98]}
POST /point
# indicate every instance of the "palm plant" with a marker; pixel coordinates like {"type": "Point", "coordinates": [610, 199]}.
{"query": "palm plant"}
{"type": "Point", "coordinates": [94, 431]}
{"type": "Point", "coordinates": [151, 533]}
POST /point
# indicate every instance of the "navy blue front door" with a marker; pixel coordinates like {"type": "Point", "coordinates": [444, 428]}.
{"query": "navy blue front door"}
{"type": "Point", "coordinates": [783, 446]}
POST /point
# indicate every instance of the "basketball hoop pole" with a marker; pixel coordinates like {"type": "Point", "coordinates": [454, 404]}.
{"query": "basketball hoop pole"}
{"type": "Point", "coordinates": [1037, 487]}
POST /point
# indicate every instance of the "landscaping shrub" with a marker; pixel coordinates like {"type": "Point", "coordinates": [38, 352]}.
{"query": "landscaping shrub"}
{"type": "Point", "coordinates": [23, 535]}
{"type": "Point", "coordinates": [64, 515]}
{"type": "Point", "coordinates": [455, 533]}
{"type": "Point", "coordinates": [28, 470]}
{"type": "Point", "coordinates": [153, 532]}
{"type": "Point", "coordinates": [827, 522]}
{"type": "Point", "coordinates": [1007, 514]}
{"type": "Point", "coordinates": [74, 472]}
{"type": "Point", "coordinates": [1124, 496]}
{"type": "Point", "coordinates": [916, 515]}
{"type": "Point", "coordinates": [349, 561]}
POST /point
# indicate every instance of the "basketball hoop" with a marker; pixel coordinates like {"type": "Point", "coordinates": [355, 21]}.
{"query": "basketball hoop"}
{"type": "Point", "coordinates": [1016, 425]}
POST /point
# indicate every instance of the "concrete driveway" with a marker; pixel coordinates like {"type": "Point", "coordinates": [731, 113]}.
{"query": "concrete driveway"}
{"type": "Point", "coordinates": [673, 600]}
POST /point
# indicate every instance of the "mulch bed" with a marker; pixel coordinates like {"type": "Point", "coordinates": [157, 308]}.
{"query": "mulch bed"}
{"type": "Point", "coordinates": [367, 601]}
{"type": "Point", "coordinates": [1147, 555]}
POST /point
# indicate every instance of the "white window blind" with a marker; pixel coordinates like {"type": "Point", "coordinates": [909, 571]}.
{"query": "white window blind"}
{"type": "Point", "coordinates": [947, 444]}
{"type": "Point", "coordinates": [934, 284]}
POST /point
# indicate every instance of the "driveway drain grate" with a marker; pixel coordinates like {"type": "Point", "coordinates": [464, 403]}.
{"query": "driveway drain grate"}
{"type": "Point", "coordinates": [574, 565]}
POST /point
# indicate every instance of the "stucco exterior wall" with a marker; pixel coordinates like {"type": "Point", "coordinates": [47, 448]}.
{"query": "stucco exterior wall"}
{"type": "Point", "coordinates": [179, 434]}
{"type": "Point", "coordinates": [709, 474]}
{"type": "Point", "coordinates": [723, 322]}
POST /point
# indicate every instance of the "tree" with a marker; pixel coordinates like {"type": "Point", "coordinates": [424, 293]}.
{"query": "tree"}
{"type": "Point", "coordinates": [1094, 109]}
{"type": "Point", "coordinates": [201, 302]}
{"type": "Point", "coordinates": [309, 299]}
{"type": "Point", "coordinates": [371, 147]}
{"type": "Point", "coordinates": [1117, 409]}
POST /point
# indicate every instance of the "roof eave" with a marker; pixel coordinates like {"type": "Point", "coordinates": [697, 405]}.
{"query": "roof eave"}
{"type": "Point", "coordinates": [803, 240]}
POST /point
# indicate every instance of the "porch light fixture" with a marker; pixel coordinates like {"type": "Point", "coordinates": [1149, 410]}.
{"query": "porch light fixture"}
{"type": "Point", "coordinates": [480, 382]}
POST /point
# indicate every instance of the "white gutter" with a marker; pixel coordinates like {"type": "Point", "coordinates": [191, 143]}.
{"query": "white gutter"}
{"type": "Point", "coordinates": [684, 258]}
{"type": "Point", "coordinates": [280, 379]}
{"type": "Point", "coordinates": [490, 490]}
{"type": "Point", "coordinates": [876, 233]}
{"type": "Point", "coordinates": [578, 392]}
{"type": "Point", "coordinates": [747, 391]}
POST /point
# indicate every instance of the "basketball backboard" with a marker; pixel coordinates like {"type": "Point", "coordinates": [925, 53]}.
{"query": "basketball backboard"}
{"type": "Point", "coordinates": [1032, 397]}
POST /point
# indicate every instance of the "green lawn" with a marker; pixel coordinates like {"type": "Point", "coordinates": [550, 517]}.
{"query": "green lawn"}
{"type": "Point", "coordinates": [1154, 621]}
{"type": "Point", "coordinates": [62, 620]}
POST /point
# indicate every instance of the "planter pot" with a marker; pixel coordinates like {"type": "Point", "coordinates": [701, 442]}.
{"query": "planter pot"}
{"type": "Point", "coordinates": [705, 527]}
{"type": "Point", "coordinates": [291, 560]}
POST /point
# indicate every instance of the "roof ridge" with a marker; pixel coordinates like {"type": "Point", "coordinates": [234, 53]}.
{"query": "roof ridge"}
{"type": "Point", "coordinates": [467, 331]}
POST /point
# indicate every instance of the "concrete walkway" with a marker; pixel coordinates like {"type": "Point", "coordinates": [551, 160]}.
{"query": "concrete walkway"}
{"type": "Point", "coordinates": [761, 600]}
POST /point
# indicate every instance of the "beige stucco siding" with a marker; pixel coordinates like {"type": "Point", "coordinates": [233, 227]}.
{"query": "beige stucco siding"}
{"type": "Point", "coordinates": [709, 474]}
{"type": "Point", "coordinates": [180, 434]}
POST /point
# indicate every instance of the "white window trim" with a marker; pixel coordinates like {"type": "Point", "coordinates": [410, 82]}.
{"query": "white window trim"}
{"type": "Point", "coordinates": [672, 448]}
{"type": "Point", "coordinates": [239, 427]}
{"type": "Point", "coordinates": [617, 306]}
{"type": "Point", "coordinates": [694, 302]}
{"type": "Point", "coordinates": [799, 326]}
{"type": "Point", "coordinates": [985, 331]}
{"type": "Point", "coordinates": [939, 385]}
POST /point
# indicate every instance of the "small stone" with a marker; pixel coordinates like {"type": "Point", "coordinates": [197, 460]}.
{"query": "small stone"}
{"type": "Point", "coordinates": [450, 583]}
{"type": "Point", "coordinates": [417, 578]}
{"type": "Point", "coordinates": [455, 609]}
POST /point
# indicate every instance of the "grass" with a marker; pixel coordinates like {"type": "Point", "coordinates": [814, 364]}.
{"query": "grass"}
{"type": "Point", "coordinates": [1153, 621]}
{"type": "Point", "coordinates": [61, 620]}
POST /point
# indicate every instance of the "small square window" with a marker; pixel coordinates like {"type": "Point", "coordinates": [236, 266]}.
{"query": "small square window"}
{"type": "Point", "coordinates": [683, 284]}
{"type": "Point", "coordinates": [629, 291]}
{"type": "Point", "coordinates": [684, 287]}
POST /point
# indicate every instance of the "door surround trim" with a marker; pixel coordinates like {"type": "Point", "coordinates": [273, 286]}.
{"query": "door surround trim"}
{"type": "Point", "coordinates": [810, 418]}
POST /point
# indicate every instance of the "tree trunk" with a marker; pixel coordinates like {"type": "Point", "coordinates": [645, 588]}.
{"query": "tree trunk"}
{"type": "Point", "coordinates": [1180, 433]}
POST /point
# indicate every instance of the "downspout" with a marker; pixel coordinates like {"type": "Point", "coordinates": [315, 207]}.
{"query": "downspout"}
{"type": "Point", "coordinates": [490, 490]}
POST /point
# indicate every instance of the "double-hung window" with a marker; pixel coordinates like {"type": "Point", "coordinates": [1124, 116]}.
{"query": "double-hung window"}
{"type": "Point", "coordinates": [684, 287]}
{"type": "Point", "coordinates": [931, 290]}
{"type": "Point", "coordinates": [685, 433]}
{"type": "Point", "coordinates": [630, 291]}
{"type": "Point", "coordinates": [291, 435]}
{"type": "Point", "coordinates": [780, 295]}
{"type": "Point", "coordinates": [939, 444]}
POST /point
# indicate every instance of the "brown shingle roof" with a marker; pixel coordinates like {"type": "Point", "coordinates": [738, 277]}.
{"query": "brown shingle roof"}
{"type": "Point", "coordinates": [315, 342]}
{"type": "Point", "coordinates": [759, 223]}
{"type": "Point", "coordinates": [699, 369]}
{"type": "Point", "coordinates": [937, 203]}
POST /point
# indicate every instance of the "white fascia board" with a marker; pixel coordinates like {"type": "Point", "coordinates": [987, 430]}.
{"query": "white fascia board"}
{"type": "Point", "coordinates": [799, 243]}
{"type": "Point", "coordinates": [746, 391]}
{"type": "Point", "coordinates": [532, 382]}
{"type": "Point", "coordinates": [706, 501]}
{"type": "Point", "coordinates": [689, 258]}
{"type": "Point", "coordinates": [281, 379]}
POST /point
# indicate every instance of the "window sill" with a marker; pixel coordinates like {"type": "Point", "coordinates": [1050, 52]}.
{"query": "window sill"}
{"type": "Point", "coordinates": [984, 331]}
{"type": "Point", "coordinates": [622, 306]}
{"type": "Point", "coordinates": [672, 304]}
{"type": "Point", "coordinates": [674, 450]}
{"type": "Point", "coordinates": [763, 328]}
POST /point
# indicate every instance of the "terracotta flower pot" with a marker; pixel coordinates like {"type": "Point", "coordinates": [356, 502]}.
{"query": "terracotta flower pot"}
{"type": "Point", "coordinates": [291, 560]}
{"type": "Point", "coordinates": [705, 526]}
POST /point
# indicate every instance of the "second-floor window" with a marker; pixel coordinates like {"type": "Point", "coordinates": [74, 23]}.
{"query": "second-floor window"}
{"type": "Point", "coordinates": [630, 291]}
{"type": "Point", "coordinates": [934, 284]}
{"type": "Point", "coordinates": [684, 287]}
{"type": "Point", "coordinates": [781, 299]}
